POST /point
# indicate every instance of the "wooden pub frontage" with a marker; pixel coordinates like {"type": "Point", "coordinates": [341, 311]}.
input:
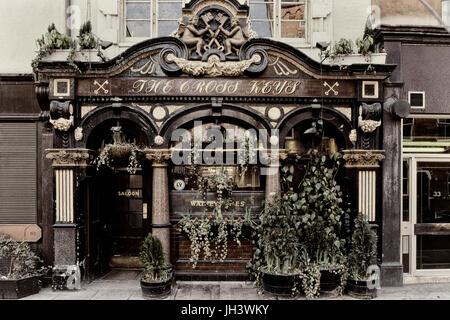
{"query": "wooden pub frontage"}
{"type": "Point", "coordinates": [213, 73]}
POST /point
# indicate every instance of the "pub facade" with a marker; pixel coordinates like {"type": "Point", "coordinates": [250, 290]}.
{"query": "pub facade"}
{"type": "Point", "coordinates": [217, 69]}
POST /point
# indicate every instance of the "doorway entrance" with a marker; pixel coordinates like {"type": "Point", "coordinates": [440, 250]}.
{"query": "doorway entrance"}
{"type": "Point", "coordinates": [426, 215]}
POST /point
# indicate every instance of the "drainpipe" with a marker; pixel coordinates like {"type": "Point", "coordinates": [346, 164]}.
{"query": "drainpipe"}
{"type": "Point", "coordinates": [67, 20]}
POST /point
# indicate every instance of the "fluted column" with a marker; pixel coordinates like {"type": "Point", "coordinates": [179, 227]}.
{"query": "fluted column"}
{"type": "Point", "coordinates": [272, 171]}
{"type": "Point", "coordinates": [65, 162]}
{"type": "Point", "coordinates": [160, 198]}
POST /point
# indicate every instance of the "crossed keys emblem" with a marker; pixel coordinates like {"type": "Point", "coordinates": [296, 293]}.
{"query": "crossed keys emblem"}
{"type": "Point", "coordinates": [221, 19]}
{"type": "Point", "coordinates": [331, 88]}
{"type": "Point", "coordinates": [101, 87]}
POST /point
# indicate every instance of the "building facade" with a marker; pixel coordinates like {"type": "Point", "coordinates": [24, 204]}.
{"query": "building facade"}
{"type": "Point", "coordinates": [156, 79]}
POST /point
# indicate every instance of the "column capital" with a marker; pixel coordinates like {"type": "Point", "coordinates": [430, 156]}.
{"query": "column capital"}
{"type": "Point", "coordinates": [363, 159]}
{"type": "Point", "coordinates": [159, 157]}
{"type": "Point", "coordinates": [70, 157]}
{"type": "Point", "coordinates": [273, 156]}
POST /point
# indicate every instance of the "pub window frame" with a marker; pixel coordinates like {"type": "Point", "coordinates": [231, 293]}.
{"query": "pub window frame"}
{"type": "Point", "coordinates": [154, 18]}
{"type": "Point", "coordinates": [277, 20]}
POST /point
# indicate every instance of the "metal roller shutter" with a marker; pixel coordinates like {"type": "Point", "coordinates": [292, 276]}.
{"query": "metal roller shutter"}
{"type": "Point", "coordinates": [17, 172]}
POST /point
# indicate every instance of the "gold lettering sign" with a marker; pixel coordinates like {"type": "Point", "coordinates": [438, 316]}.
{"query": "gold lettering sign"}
{"type": "Point", "coordinates": [154, 86]}
{"type": "Point", "coordinates": [195, 203]}
{"type": "Point", "coordinates": [215, 87]}
{"type": "Point", "coordinates": [130, 193]}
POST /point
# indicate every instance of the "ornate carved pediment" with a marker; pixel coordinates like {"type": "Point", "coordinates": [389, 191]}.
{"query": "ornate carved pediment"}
{"type": "Point", "coordinates": [214, 28]}
{"type": "Point", "coordinates": [363, 159]}
{"type": "Point", "coordinates": [213, 66]}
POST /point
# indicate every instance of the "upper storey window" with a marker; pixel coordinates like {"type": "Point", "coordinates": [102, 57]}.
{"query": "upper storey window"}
{"type": "Point", "coordinates": [280, 19]}
{"type": "Point", "coordinates": [150, 18]}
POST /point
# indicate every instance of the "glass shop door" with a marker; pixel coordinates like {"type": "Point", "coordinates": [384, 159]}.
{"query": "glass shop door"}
{"type": "Point", "coordinates": [426, 216]}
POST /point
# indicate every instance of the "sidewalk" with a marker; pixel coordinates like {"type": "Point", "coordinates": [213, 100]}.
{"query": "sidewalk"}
{"type": "Point", "coordinates": [219, 290]}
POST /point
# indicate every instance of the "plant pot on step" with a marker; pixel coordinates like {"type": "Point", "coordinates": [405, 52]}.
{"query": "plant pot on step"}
{"type": "Point", "coordinates": [279, 284]}
{"type": "Point", "coordinates": [16, 289]}
{"type": "Point", "coordinates": [329, 282]}
{"type": "Point", "coordinates": [361, 289]}
{"type": "Point", "coordinates": [157, 288]}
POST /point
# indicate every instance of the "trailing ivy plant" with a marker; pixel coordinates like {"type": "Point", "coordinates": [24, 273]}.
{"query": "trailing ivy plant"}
{"type": "Point", "coordinates": [322, 214]}
{"type": "Point", "coordinates": [209, 233]}
{"type": "Point", "coordinates": [105, 157]}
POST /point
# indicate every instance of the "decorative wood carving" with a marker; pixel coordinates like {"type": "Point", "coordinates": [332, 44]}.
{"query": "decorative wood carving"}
{"type": "Point", "coordinates": [363, 158]}
{"type": "Point", "coordinates": [70, 157]}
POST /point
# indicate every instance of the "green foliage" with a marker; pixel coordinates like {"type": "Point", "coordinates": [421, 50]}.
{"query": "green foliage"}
{"type": "Point", "coordinates": [152, 258]}
{"type": "Point", "coordinates": [54, 40]}
{"type": "Point", "coordinates": [24, 263]}
{"type": "Point", "coordinates": [302, 233]}
{"type": "Point", "coordinates": [209, 233]}
{"type": "Point", "coordinates": [343, 47]}
{"type": "Point", "coordinates": [365, 45]}
{"type": "Point", "coordinates": [51, 41]}
{"type": "Point", "coordinates": [363, 249]}
{"type": "Point", "coordinates": [86, 38]}
{"type": "Point", "coordinates": [320, 206]}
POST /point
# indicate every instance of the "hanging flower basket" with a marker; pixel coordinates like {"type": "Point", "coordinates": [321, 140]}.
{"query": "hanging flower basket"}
{"type": "Point", "coordinates": [120, 150]}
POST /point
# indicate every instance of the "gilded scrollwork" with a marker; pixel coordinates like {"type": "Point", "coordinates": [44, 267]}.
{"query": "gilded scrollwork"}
{"type": "Point", "coordinates": [213, 66]}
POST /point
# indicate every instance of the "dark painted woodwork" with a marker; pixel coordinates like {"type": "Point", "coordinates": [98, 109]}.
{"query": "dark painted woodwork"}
{"type": "Point", "coordinates": [434, 229]}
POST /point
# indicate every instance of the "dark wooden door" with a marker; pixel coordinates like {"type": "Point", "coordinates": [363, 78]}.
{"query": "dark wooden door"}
{"type": "Point", "coordinates": [129, 219]}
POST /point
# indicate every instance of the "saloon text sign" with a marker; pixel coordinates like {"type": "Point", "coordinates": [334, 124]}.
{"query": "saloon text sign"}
{"type": "Point", "coordinates": [217, 87]}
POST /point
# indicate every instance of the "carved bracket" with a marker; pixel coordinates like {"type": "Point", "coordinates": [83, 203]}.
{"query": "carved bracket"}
{"type": "Point", "coordinates": [363, 159]}
{"type": "Point", "coordinates": [369, 117]}
{"type": "Point", "coordinates": [61, 115]}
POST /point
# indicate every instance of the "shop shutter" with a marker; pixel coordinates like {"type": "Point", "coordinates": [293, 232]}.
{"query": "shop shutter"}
{"type": "Point", "coordinates": [17, 172]}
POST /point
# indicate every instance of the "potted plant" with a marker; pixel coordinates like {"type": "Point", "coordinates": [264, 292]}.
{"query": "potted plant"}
{"type": "Point", "coordinates": [343, 52]}
{"type": "Point", "coordinates": [55, 46]}
{"type": "Point", "coordinates": [362, 255]}
{"type": "Point", "coordinates": [276, 254]}
{"type": "Point", "coordinates": [157, 278]}
{"type": "Point", "coordinates": [22, 277]}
